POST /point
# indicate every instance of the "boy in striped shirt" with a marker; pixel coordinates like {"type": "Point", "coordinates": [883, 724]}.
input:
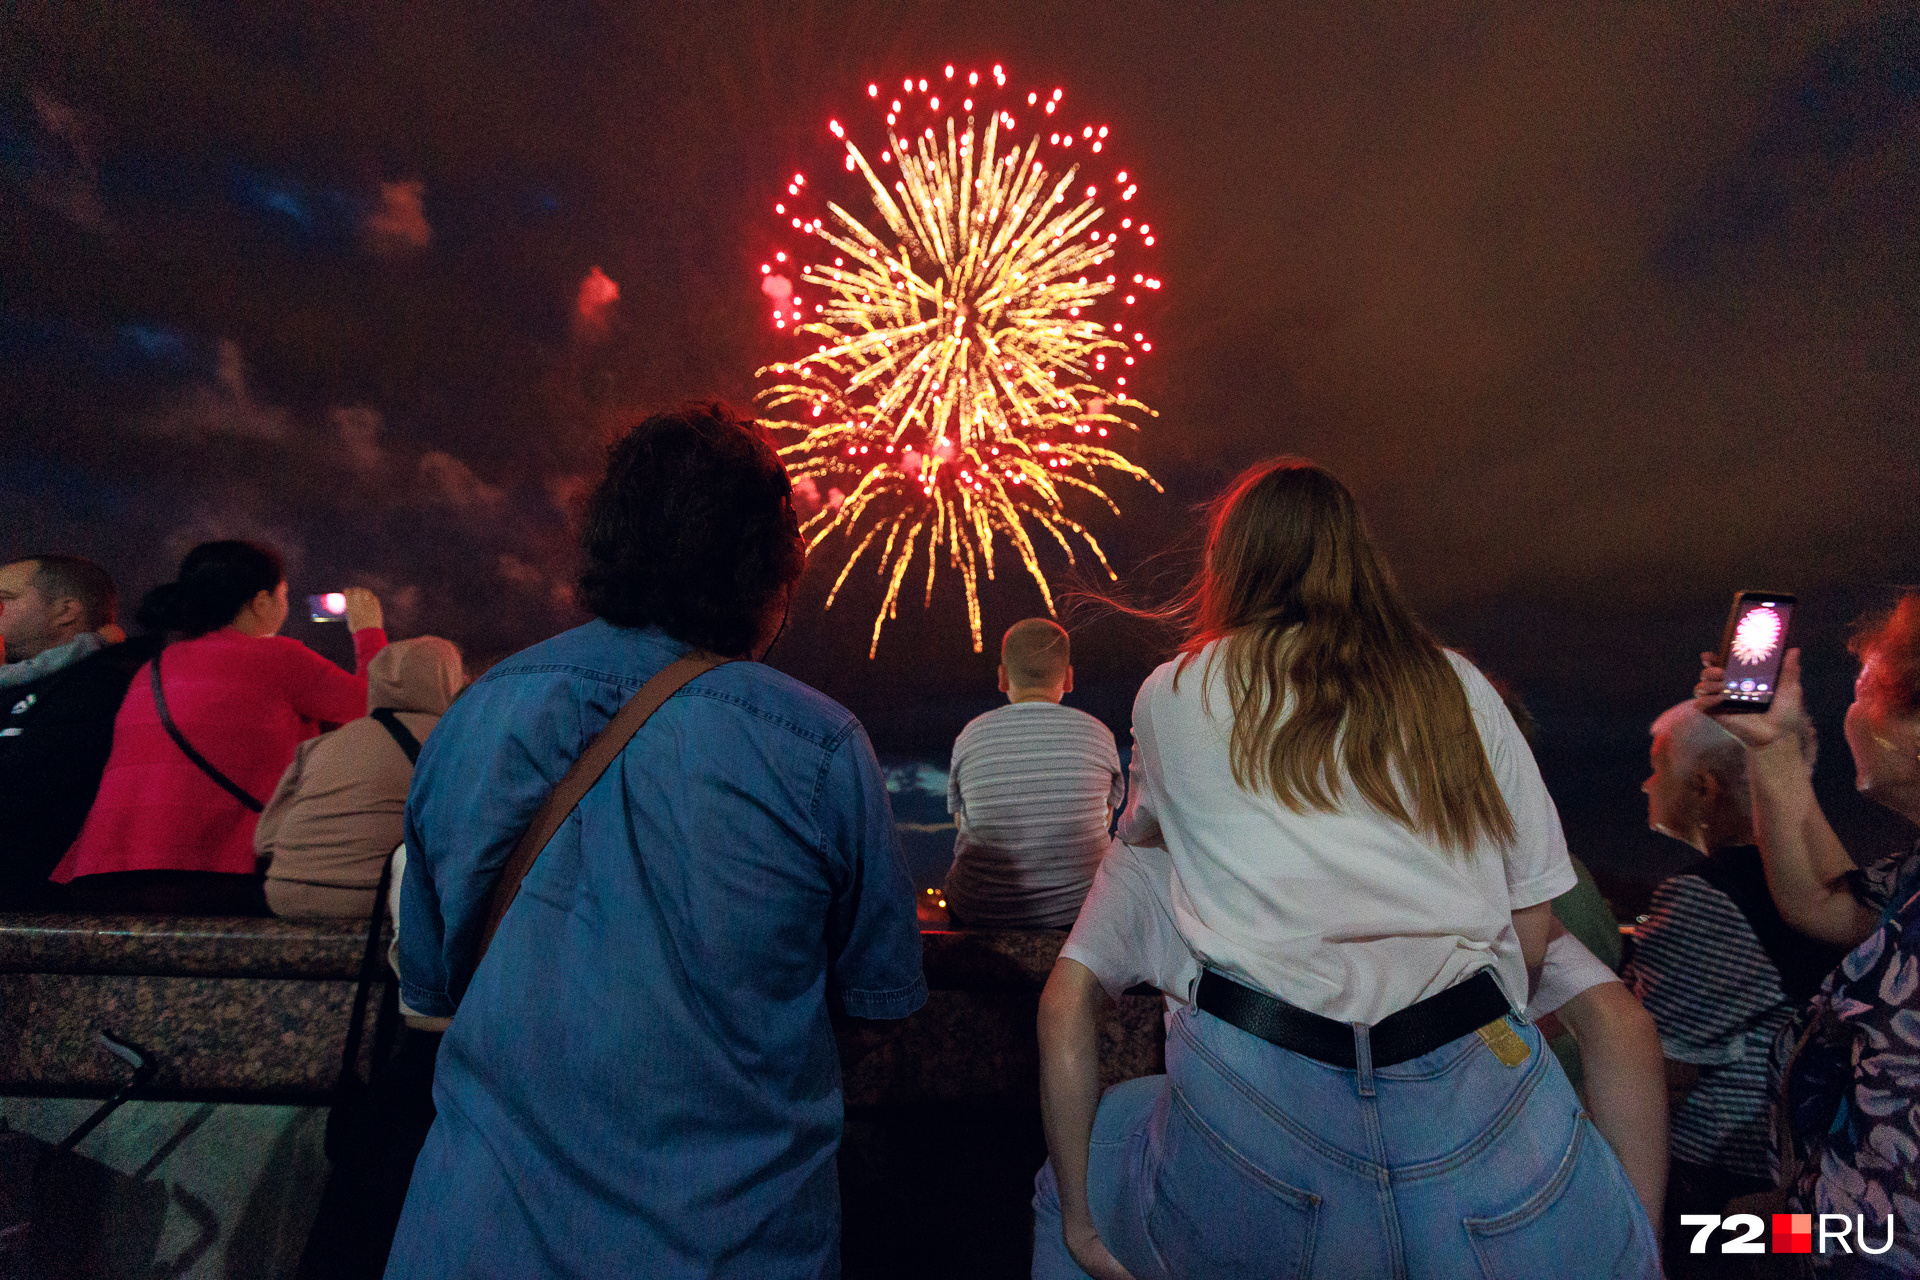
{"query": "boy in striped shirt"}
{"type": "Point", "coordinates": [1032, 788]}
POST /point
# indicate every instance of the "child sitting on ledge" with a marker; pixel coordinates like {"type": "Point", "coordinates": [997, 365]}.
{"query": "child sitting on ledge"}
{"type": "Point", "coordinates": [1032, 789]}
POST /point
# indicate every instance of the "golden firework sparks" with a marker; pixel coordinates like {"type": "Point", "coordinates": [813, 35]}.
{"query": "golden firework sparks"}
{"type": "Point", "coordinates": [972, 345]}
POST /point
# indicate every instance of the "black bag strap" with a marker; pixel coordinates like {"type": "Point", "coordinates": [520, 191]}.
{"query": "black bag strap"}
{"type": "Point", "coordinates": [1803, 963]}
{"type": "Point", "coordinates": [370, 964]}
{"type": "Point", "coordinates": [206, 766]}
{"type": "Point", "coordinates": [401, 734]}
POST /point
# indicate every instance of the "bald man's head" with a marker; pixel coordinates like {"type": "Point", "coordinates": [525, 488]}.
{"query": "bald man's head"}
{"type": "Point", "coordinates": [1035, 657]}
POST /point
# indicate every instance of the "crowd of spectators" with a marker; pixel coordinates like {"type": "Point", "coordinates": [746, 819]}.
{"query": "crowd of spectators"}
{"type": "Point", "coordinates": [1332, 853]}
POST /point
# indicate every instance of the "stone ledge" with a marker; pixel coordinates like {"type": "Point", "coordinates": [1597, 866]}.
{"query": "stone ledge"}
{"type": "Point", "coordinates": [182, 946]}
{"type": "Point", "coordinates": [265, 947]}
{"type": "Point", "coordinates": [990, 959]}
{"type": "Point", "coordinates": [256, 1009]}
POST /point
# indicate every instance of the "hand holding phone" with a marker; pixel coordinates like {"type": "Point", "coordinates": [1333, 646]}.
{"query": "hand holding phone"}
{"type": "Point", "coordinates": [363, 609]}
{"type": "Point", "coordinates": [1752, 650]}
{"type": "Point", "coordinates": [330, 606]}
{"type": "Point", "coordinates": [1787, 717]}
{"type": "Point", "coordinates": [358, 607]}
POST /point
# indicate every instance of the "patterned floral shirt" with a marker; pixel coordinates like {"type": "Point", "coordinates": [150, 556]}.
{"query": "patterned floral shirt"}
{"type": "Point", "coordinates": [1853, 1091]}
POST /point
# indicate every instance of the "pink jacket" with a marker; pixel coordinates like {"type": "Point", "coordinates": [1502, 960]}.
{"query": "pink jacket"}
{"type": "Point", "coordinates": [245, 703]}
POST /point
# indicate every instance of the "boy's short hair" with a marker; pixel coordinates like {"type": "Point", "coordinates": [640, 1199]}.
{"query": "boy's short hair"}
{"type": "Point", "coordinates": [1035, 653]}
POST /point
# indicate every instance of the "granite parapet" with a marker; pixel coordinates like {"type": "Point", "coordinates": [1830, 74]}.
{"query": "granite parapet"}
{"type": "Point", "coordinates": [258, 1008]}
{"type": "Point", "coordinates": [182, 946]}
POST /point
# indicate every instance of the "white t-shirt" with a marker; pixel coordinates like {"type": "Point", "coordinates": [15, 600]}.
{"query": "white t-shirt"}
{"type": "Point", "coordinates": [1125, 933]}
{"type": "Point", "coordinates": [1126, 936]}
{"type": "Point", "coordinates": [1031, 790]}
{"type": "Point", "coordinates": [1348, 914]}
{"type": "Point", "coordinates": [1570, 969]}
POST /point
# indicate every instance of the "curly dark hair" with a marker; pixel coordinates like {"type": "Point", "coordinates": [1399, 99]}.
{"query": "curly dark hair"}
{"type": "Point", "coordinates": [692, 529]}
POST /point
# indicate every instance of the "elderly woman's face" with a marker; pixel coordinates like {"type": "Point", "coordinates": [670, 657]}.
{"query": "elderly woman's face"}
{"type": "Point", "coordinates": [1885, 745]}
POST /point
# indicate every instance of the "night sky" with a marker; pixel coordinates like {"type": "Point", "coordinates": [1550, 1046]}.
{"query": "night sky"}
{"type": "Point", "coordinates": [1603, 312]}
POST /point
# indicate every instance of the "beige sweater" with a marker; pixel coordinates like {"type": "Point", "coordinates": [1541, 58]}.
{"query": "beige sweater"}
{"type": "Point", "coordinates": [336, 816]}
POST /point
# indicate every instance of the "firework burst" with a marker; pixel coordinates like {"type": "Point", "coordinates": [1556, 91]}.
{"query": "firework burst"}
{"type": "Point", "coordinates": [973, 331]}
{"type": "Point", "coordinates": [1755, 637]}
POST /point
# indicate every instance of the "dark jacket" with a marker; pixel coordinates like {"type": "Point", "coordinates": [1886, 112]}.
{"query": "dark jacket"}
{"type": "Point", "coordinates": [55, 734]}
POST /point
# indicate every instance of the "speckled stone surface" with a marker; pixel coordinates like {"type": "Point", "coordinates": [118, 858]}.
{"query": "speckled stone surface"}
{"type": "Point", "coordinates": [975, 1040]}
{"type": "Point", "coordinates": [217, 1036]}
{"type": "Point", "coordinates": [981, 1047]}
{"type": "Point", "coordinates": [231, 1007]}
{"type": "Point", "coordinates": [185, 946]}
{"type": "Point", "coordinates": [990, 959]}
{"type": "Point", "coordinates": [260, 1007]}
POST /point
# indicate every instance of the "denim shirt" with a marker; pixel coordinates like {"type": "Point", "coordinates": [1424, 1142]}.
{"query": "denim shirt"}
{"type": "Point", "coordinates": [642, 1078]}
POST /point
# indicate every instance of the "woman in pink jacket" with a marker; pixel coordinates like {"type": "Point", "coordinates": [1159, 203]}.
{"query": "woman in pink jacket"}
{"type": "Point", "coordinates": [172, 827]}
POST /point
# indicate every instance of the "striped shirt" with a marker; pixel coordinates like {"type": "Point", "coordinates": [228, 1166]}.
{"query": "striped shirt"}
{"type": "Point", "coordinates": [1719, 999]}
{"type": "Point", "coordinates": [1030, 790]}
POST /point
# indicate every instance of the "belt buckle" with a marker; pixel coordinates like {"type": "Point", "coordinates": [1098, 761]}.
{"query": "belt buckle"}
{"type": "Point", "coordinates": [1505, 1042]}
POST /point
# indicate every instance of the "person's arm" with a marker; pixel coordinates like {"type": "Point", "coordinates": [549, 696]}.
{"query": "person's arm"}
{"type": "Point", "coordinates": [1138, 824]}
{"type": "Point", "coordinates": [874, 973]}
{"type": "Point", "coordinates": [1069, 1098]}
{"type": "Point", "coordinates": [1626, 1094]}
{"type": "Point", "coordinates": [1538, 868]}
{"type": "Point", "coordinates": [956, 802]}
{"type": "Point", "coordinates": [1117, 785]}
{"type": "Point", "coordinates": [1807, 868]}
{"type": "Point", "coordinates": [368, 622]}
{"type": "Point", "coordinates": [1534, 924]}
{"type": "Point", "coordinates": [319, 689]}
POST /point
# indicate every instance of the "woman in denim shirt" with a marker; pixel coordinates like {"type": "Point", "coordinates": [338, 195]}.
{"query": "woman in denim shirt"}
{"type": "Point", "coordinates": [641, 1077]}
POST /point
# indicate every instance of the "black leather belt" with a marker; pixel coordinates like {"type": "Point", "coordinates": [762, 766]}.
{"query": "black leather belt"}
{"type": "Point", "coordinates": [1399, 1037]}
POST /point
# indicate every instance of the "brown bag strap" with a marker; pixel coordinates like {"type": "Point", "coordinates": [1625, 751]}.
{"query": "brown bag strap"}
{"type": "Point", "coordinates": [601, 752]}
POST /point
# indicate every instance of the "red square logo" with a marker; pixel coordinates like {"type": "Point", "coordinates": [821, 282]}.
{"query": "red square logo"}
{"type": "Point", "coordinates": [1793, 1233]}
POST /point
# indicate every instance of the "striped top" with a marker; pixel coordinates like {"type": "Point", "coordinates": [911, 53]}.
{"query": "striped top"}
{"type": "Point", "coordinates": [1030, 789]}
{"type": "Point", "coordinates": [1719, 1000]}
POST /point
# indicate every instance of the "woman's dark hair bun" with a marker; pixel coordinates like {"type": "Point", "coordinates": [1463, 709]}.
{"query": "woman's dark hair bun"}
{"type": "Point", "coordinates": [215, 582]}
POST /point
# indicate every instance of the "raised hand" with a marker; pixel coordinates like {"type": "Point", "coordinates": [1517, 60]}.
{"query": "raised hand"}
{"type": "Point", "coordinates": [363, 609]}
{"type": "Point", "coordinates": [1787, 717]}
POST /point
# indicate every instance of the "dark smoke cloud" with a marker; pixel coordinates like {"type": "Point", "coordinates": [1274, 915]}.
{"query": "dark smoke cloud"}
{"type": "Point", "coordinates": [1603, 311]}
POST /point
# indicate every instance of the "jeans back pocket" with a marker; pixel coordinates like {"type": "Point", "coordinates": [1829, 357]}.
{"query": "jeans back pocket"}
{"type": "Point", "coordinates": [1216, 1213]}
{"type": "Point", "coordinates": [1585, 1222]}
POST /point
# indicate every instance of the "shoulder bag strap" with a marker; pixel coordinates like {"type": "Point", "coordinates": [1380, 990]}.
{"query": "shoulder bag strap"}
{"type": "Point", "coordinates": [600, 753]}
{"type": "Point", "coordinates": [370, 966]}
{"type": "Point", "coordinates": [399, 732]}
{"type": "Point", "coordinates": [205, 766]}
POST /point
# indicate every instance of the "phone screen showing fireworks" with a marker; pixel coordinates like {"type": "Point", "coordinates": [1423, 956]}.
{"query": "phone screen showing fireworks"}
{"type": "Point", "coordinates": [1755, 647]}
{"type": "Point", "coordinates": [330, 607]}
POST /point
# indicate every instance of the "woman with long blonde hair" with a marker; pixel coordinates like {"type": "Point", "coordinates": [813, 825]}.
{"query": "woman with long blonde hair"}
{"type": "Point", "coordinates": [1363, 857]}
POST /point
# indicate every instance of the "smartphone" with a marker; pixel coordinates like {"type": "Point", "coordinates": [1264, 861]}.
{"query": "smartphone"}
{"type": "Point", "coordinates": [328, 607]}
{"type": "Point", "coordinates": [1754, 647]}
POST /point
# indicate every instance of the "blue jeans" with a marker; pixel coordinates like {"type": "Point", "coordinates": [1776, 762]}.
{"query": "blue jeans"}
{"type": "Point", "coordinates": [1249, 1160]}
